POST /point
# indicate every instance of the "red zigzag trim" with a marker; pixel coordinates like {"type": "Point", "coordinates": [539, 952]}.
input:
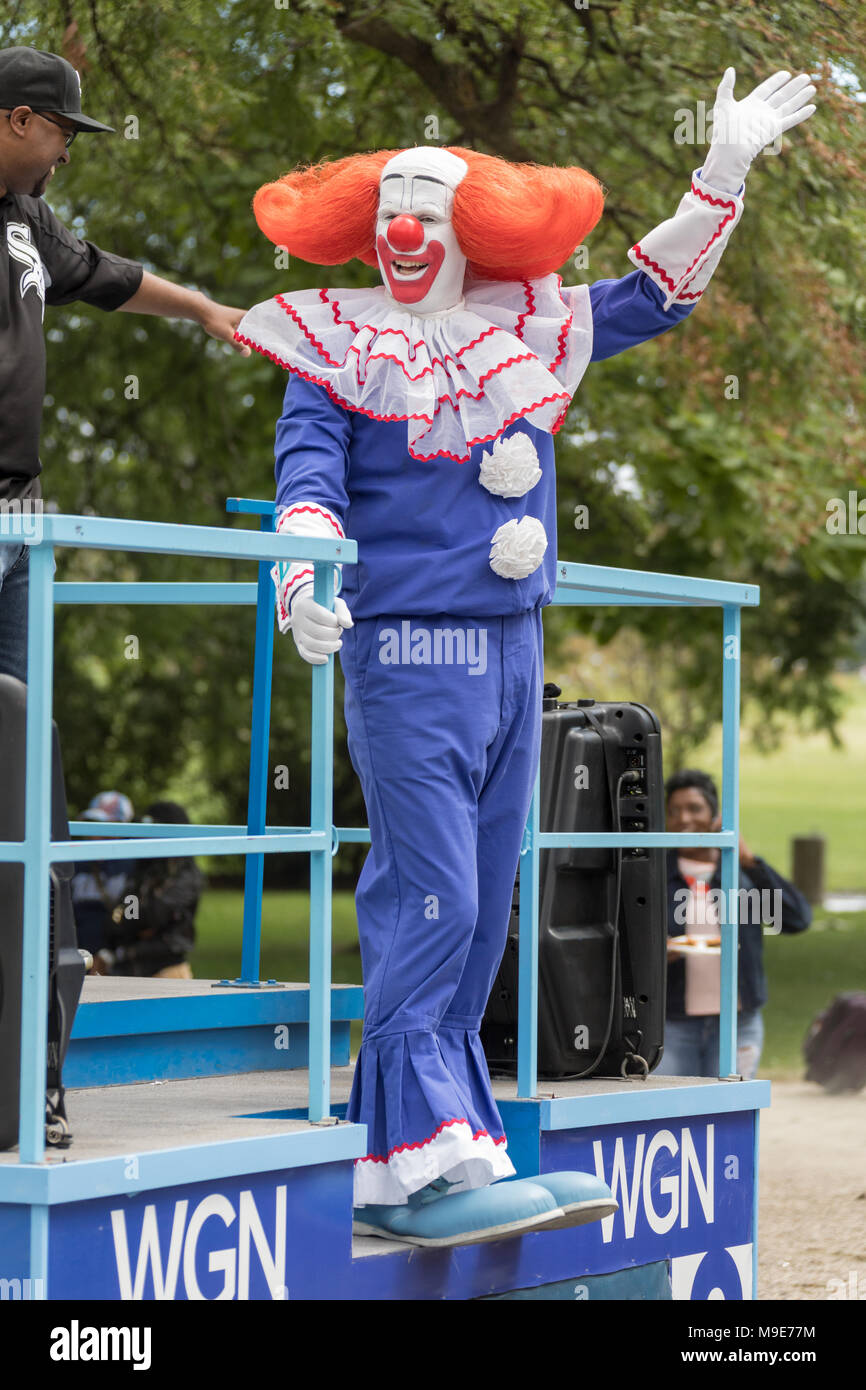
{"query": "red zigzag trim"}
{"type": "Point", "coordinates": [332, 521]}
{"type": "Point", "coordinates": [413, 347]}
{"type": "Point", "coordinates": [530, 308]}
{"type": "Point", "coordinates": [403, 1148]}
{"type": "Point", "coordinates": [392, 419]}
{"type": "Point", "coordinates": [716, 203]}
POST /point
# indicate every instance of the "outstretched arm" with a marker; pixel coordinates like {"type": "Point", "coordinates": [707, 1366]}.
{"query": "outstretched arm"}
{"type": "Point", "coordinates": [680, 255]}
{"type": "Point", "coordinates": [162, 297]}
{"type": "Point", "coordinates": [629, 311]}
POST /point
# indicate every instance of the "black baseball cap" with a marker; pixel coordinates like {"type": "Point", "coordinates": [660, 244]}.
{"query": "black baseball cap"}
{"type": "Point", "coordinates": [44, 82]}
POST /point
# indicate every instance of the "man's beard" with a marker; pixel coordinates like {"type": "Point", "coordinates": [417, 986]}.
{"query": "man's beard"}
{"type": "Point", "coordinates": [40, 187]}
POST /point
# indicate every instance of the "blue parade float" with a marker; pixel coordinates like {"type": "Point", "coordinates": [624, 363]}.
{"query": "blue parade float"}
{"type": "Point", "coordinates": [211, 1159]}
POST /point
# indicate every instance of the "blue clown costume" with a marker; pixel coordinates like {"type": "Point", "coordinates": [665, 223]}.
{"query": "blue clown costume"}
{"type": "Point", "coordinates": [428, 439]}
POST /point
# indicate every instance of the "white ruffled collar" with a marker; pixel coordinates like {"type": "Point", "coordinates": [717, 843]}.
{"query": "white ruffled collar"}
{"type": "Point", "coordinates": [458, 378]}
{"type": "Point", "coordinates": [427, 318]}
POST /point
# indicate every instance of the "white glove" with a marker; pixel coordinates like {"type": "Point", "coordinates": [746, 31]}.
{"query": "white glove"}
{"type": "Point", "coordinates": [316, 629]}
{"type": "Point", "coordinates": [741, 129]}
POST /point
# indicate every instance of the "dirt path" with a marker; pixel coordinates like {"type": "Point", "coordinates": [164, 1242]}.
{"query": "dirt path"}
{"type": "Point", "coordinates": [812, 1214]}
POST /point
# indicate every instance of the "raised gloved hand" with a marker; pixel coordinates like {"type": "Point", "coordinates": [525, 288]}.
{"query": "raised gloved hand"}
{"type": "Point", "coordinates": [316, 630]}
{"type": "Point", "coordinates": [741, 129]}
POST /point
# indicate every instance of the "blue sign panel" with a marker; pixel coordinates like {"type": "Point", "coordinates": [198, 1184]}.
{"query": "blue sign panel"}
{"type": "Point", "coordinates": [685, 1190]}
{"type": "Point", "coordinates": [262, 1236]}
{"type": "Point", "coordinates": [14, 1249]}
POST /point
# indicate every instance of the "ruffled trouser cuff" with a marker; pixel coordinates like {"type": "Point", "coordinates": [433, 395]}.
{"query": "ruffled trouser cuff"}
{"type": "Point", "coordinates": [426, 1101]}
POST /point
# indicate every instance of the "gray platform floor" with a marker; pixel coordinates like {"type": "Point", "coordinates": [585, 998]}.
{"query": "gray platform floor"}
{"type": "Point", "coordinates": [108, 1121]}
{"type": "Point", "coordinates": [146, 1116]}
{"type": "Point", "coordinates": [111, 1121]}
{"type": "Point", "coordinates": [98, 988]}
{"type": "Point", "coordinates": [139, 1118]}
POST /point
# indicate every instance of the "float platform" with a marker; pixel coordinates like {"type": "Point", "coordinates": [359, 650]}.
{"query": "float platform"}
{"type": "Point", "coordinates": [210, 1156]}
{"type": "Point", "coordinates": [215, 1185]}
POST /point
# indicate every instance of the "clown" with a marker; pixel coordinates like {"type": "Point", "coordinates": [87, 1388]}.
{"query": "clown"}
{"type": "Point", "coordinates": [419, 419]}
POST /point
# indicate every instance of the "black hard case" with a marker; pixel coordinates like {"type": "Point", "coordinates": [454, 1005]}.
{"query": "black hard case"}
{"type": "Point", "coordinates": [584, 963]}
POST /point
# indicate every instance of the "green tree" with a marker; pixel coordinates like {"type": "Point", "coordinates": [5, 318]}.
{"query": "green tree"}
{"type": "Point", "coordinates": [711, 451]}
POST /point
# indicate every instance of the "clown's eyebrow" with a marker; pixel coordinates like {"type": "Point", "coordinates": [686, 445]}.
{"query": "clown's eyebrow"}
{"type": "Point", "coordinates": [427, 178]}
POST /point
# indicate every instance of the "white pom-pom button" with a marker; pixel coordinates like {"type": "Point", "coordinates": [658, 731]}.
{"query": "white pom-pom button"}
{"type": "Point", "coordinates": [511, 468]}
{"type": "Point", "coordinates": [518, 548]}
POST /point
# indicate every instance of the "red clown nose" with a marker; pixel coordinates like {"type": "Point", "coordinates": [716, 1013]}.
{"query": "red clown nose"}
{"type": "Point", "coordinates": [405, 233]}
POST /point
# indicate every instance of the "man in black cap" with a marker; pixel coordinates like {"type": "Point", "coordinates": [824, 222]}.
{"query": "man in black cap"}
{"type": "Point", "coordinates": [41, 262]}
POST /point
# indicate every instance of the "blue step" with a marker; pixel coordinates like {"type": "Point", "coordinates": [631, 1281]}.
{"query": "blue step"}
{"type": "Point", "coordinates": [132, 1030]}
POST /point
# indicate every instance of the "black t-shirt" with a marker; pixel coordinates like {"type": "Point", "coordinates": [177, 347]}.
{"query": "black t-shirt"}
{"type": "Point", "coordinates": [41, 263]}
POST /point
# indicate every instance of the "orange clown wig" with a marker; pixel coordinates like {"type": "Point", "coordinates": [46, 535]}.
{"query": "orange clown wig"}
{"type": "Point", "coordinates": [512, 221]}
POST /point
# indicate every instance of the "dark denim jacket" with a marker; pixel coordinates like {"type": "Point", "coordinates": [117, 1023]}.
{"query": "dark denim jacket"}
{"type": "Point", "coordinates": [796, 915]}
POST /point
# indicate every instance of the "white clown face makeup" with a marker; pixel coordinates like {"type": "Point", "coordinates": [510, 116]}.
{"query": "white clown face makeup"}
{"type": "Point", "coordinates": [419, 257]}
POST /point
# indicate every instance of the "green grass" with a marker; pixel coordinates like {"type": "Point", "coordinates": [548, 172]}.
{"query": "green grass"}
{"type": "Point", "coordinates": [285, 954]}
{"type": "Point", "coordinates": [285, 937]}
{"type": "Point", "coordinates": [803, 971]}
{"type": "Point", "coordinates": [806, 787]}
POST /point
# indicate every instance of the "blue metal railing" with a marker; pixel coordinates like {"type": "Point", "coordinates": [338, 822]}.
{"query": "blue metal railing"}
{"type": "Point", "coordinates": [37, 851]}
{"type": "Point", "coordinates": [584, 584]}
{"type": "Point", "coordinates": [576, 584]}
{"type": "Point", "coordinates": [602, 585]}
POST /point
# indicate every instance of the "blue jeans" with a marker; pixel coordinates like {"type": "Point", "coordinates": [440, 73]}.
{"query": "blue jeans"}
{"type": "Point", "coordinates": [14, 584]}
{"type": "Point", "coordinates": [692, 1045]}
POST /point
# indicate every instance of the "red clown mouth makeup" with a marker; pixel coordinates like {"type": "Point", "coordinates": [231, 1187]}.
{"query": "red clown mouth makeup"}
{"type": "Point", "coordinates": [410, 277]}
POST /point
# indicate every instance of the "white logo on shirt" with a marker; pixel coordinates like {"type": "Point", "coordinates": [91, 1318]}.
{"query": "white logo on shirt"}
{"type": "Point", "coordinates": [22, 250]}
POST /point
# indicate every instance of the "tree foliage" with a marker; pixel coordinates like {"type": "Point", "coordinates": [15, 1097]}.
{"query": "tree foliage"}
{"type": "Point", "coordinates": [711, 451]}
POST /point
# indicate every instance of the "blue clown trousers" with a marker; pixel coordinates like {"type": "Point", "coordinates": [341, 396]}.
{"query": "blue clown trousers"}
{"type": "Point", "coordinates": [443, 716]}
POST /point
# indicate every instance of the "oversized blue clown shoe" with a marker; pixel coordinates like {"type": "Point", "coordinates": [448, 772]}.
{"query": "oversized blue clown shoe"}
{"type": "Point", "coordinates": [460, 1218]}
{"type": "Point", "coordinates": [581, 1198]}
{"type": "Point", "coordinates": [435, 1217]}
